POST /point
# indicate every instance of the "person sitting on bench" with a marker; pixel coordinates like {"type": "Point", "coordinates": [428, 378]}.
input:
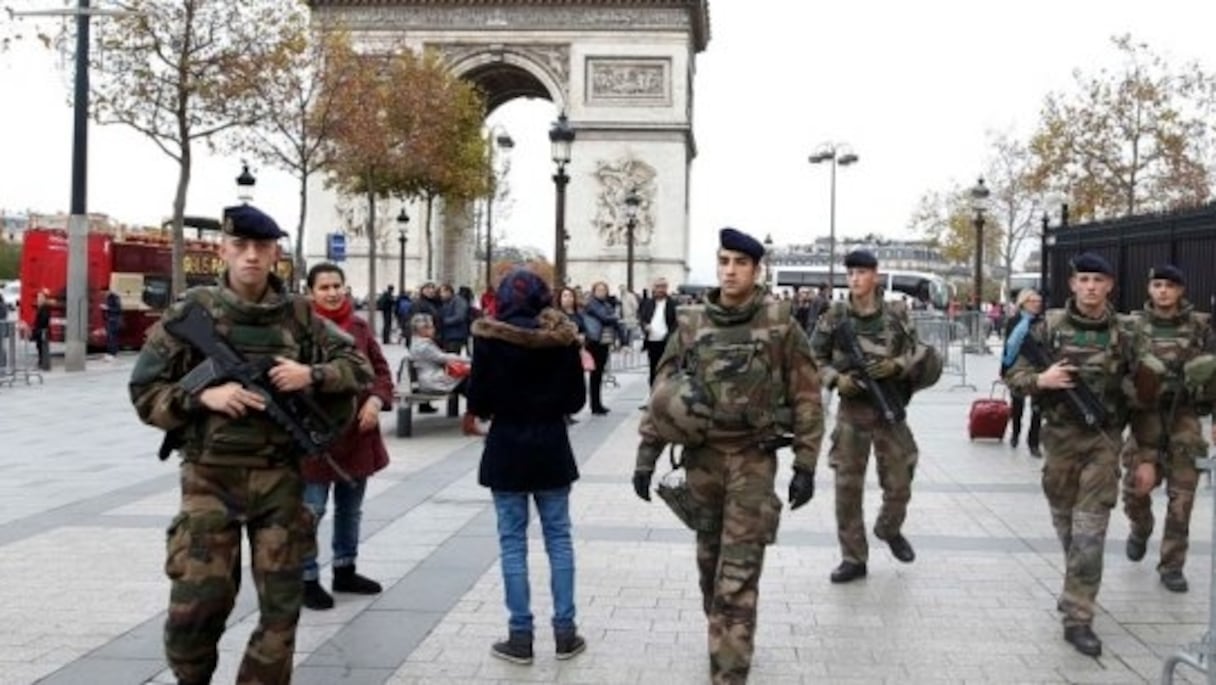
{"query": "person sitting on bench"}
{"type": "Point", "coordinates": [433, 366]}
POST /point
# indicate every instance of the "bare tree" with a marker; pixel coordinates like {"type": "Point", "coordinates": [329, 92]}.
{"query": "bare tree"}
{"type": "Point", "coordinates": [1016, 197]}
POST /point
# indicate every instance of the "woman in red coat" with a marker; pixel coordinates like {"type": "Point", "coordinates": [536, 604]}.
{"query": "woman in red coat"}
{"type": "Point", "coordinates": [359, 453]}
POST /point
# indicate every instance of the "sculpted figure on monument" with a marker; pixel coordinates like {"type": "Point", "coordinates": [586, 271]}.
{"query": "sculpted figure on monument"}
{"type": "Point", "coordinates": [616, 180]}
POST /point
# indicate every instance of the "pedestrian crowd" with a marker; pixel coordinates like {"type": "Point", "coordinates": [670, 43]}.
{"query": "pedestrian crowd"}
{"type": "Point", "coordinates": [734, 377]}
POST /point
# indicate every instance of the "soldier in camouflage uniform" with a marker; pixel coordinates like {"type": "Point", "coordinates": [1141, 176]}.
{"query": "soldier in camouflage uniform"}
{"type": "Point", "coordinates": [732, 367]}
{"type": "Point", "coordinates": [1090, 345]}
{"type": "Point", "coordinates": [1168, 333]}
{"type": "Point", "coordinates": [237, 469]}
{"type": "Point", "coordinates": [889, 343]}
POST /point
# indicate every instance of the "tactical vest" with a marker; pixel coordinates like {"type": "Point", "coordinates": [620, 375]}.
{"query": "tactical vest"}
{"type": "Point", "coordinates": [279, 328]}
{"type": "Point", "coordinates": [729, 381]}
{"type": "Point", "coordinates": [885, 335]}
{"type": "Point", "coordinates": [1162, 347]}
{"type": "Point", "coordinates": [1099, 350]}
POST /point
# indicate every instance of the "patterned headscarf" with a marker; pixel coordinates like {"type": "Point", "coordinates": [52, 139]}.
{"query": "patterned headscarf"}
{"type": "Point", "coordinates": [521, 297]}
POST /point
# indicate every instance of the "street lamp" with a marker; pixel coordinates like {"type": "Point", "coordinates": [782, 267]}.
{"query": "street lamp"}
{"type": "Point", "coordinates": [561, 136]}
{"type": "Point", "coordinates": [403, 222]}
{"type": "Point", "coordinates": [839, 154]}
{"type": "Point", "coordinates": [768, 261]}
{"type": "Point", "coordinates": [244, 184]}
{"type": "Point", "coordinates": [979, 204]}
{"type": "Point", "coordinates": [632, 202]}
{"type": "Point", "coordinates": [505, 142]}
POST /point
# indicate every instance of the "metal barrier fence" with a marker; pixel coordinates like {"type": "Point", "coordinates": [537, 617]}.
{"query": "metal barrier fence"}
{"type": "Point", "coordinates": [625, 358]}
{"type": "Point", "coordinates": [950, 339]}
{"type": "Point", "coordinates": [18, 356]}
{"type": "Point", "coordinates": [1200, 655]}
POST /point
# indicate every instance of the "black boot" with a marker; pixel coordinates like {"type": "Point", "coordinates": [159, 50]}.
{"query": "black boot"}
{"type": "Point", "coordinates": [900, 547]}
{"type": "Point", "coordinates": [346, 580]}
{"type": "Point", "coordinates": [1174, 581]}
{"type": "Point", "coordinates": [517, 648]}
{"type": "Point", "coordinates": [1136, 548]}
{"type": "Point", "coordinates": [1082, 639]}
{"type": "Point", "coordinates": [315, 596]}
{"type": "Point", "coordinates": [848, 571]}
{"type": "Point", "coordinates": [569, 644]}
{"type": "Point", "coordinates": [427, 408]}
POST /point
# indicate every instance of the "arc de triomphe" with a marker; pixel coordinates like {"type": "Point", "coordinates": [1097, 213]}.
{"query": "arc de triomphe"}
{"type": "Point", "coordinates": [623, 73]}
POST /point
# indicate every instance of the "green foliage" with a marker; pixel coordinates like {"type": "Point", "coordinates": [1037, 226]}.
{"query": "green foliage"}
{"type": "Point", "coordinates": [946, 219]}
{"type": "Point", "coordinates": [10, 260]}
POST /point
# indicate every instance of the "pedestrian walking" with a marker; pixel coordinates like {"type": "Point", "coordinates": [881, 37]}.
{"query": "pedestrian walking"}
{"type": "Point", "coordinates": [1089, 348]}
{"type": "Point", "coordinates": [386, 304]}
{"type": "Point", "coordinates": [526, 379]}
{"type": "Point", "coordinates": [41, 330]}
{"type": "Point", "coordinates": [354, 457]}
{"type": "Point", "coordinates": [239, 469]}
{"type": "Point", "coordinates": [1030, 308]}
{"type": "Point", "coordinates": [604, 331]}
{"type": "Point", "coordinates": [882, 332]}
{"type": "Point", "coordinates": [736, 378]}
{"type": "Point", "coordinates": [1165, 424]}
{"type": "Point", "coordinates": [657, 316]}
{"type": "Point", "coordinates": [112, 313]}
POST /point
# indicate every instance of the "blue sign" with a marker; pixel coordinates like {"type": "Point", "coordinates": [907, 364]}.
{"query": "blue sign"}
{"type": "Point", "coordinates": [335, 247]}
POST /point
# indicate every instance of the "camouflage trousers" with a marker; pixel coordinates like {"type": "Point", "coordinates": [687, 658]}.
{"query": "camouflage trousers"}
{"type": "Point", "coordinates": [895, 453]}
{"type": "Point", "coordinates": [1081, 482]}
{"type": "Point", "coordinates": [204, 563]}
{"type": "Point", "coordinates": [1180, 476]}
{"type": "Point", "coordinates": [739, 484]}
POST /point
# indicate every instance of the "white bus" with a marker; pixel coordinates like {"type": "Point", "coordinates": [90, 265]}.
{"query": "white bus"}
{"type": "Point", "coordinates": [897, 284]}
{"type": "Point", "coordinates": [1020, 280]}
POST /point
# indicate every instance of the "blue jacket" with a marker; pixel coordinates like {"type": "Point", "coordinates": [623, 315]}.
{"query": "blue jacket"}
{"type": "Point", "coordinates": [599, 316]}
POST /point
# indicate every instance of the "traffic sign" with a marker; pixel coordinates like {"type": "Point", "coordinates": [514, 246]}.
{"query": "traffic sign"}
{"type": "Point", "coordinates": [335, 247]}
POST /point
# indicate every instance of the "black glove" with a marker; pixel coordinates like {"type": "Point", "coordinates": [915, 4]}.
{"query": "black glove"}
{"type": "Point", "coordinates": [802, 487]}
{"type": "Point", "coordinates": [641, 483]}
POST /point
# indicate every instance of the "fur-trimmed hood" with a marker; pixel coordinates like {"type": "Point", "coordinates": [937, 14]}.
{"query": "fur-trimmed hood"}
{"type": "Point", "coordinates": [554, 329]}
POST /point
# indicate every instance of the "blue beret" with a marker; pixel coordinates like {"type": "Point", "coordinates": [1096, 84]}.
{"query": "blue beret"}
{"type": "Point", "coordinates": [1167, 272]}
{"type": "Point", "coordinates": [860, 259]}
{"type": "Point", "coordinates": [247, 221]}
{"type": "Point", "coordinates": [1090, 263]}
{"type": "Point", "coordinates": [738, 241]}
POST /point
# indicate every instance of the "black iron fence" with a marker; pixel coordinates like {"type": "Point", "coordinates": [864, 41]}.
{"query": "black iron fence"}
{"type": "Point", "coordinates": [1134, 244]}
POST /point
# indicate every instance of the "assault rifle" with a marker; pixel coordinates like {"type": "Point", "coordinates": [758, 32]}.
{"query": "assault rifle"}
{"type": "Point", "coordinates": [1084, 403]}
{"type": "Point", "coordinates": [889, 406]}
{"type": "Point", "coordinates": [295, 412]}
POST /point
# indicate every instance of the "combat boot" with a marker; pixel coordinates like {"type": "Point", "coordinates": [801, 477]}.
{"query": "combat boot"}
{"type": "Point", "coordinates": [1082, 639]}
{"type": "Point", "coordinates": [346, 580]}
{"type": "Point", "coordinates": [848, 571]}
{"type": "Point", "coordinates": [315, 596]}
{"type": "Point", "coordinates": [569, 644]}
{"type": "Point", "coordinates": [900, 547]}
{"type": "Point", "coordinates": [517, 648]}
{"type": "Point", "coordinates": [1174, 581]}
{"type": "Point", "coordinates": [1136, 548]}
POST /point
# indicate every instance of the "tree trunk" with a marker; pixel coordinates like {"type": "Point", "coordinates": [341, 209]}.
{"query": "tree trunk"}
{"type": "Point", "coordinates": [371, 260]}
{"type": "Point", "coordinates": [298, 270]}
{"type": "Point", "coordinates": [430, 244]}
{"type": "Point", "coordinates": [178, 283]}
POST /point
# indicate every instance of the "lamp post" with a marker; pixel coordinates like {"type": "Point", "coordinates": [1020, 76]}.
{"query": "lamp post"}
{"type": "Point", "coordinates": [244, 184]}
{"type": "Point", "coordinates": [632, 202]}
{"type": "Point", "coordinates": [505, 142]}
{"type": "Point", "coordinates": [839, 154]}
{"type": "Point", "coordinates": [979, 204]}
{"type": "Point", "coordinates": [561, 136]}
{"type": "Point", "coordinates": [768, 262]}
{"type": "Point", "coordinates": [403, 222]}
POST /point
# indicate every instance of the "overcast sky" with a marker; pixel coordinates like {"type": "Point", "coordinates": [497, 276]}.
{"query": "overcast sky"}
{"type": "Point", "coordinates": [912, 86]}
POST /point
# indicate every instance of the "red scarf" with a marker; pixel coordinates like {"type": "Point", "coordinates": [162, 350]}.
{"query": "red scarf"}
{"type": "Point", "coordinates": [342, 316]}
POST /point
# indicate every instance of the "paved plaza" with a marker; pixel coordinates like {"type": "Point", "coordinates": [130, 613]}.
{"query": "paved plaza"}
{"type": "Point", "coordinates": [85, 504]}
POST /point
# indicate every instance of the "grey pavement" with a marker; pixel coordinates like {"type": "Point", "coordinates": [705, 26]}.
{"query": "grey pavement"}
{"type": "Point", "coordinates": [83, 505]}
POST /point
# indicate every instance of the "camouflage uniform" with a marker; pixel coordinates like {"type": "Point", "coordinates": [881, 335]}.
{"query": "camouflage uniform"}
{"type": "Point", "coordinates": [745, 363]}
{"type": "Point", "coordinates": [883, 334]}
{"type": "Point", "coordinates": [1173, 340]}
{"type": "Point", "coordinates": [1081, 469]}
{"type": "Point", "coordinates": [238, 473]}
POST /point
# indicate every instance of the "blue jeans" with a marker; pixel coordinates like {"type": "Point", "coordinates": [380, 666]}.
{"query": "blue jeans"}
{"type": "Point", "coordinates": [554, 509]}
{"type": "Point", "coordinates": [348, 512]}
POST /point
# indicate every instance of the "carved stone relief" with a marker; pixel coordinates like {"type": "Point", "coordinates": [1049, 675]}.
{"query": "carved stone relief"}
{"type": "Point", "coordinates": [507, 19]}
{"type": "Point", "coordinates": [625, 81]}
{"type": "Point", "coordinates": [616, 179]}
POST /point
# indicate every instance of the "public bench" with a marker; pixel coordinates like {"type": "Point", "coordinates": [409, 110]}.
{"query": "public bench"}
{"type": "Point", "coordinates": [408, 394]}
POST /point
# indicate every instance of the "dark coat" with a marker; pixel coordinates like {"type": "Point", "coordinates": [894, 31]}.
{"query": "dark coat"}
{"type": "Point", "coordinates": [646, 313]}
{"type": "Point", "coordinates": [359, 454]}
{"type": "Point", "coordinates": [527, 381]}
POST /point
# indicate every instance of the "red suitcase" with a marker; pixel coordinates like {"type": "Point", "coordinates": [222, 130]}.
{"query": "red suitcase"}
{"type": "Point", "coordinates": [990, 416]}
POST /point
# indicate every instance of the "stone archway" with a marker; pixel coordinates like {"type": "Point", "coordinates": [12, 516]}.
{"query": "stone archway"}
{"type": "Point", "coordinates": [621, 70]}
